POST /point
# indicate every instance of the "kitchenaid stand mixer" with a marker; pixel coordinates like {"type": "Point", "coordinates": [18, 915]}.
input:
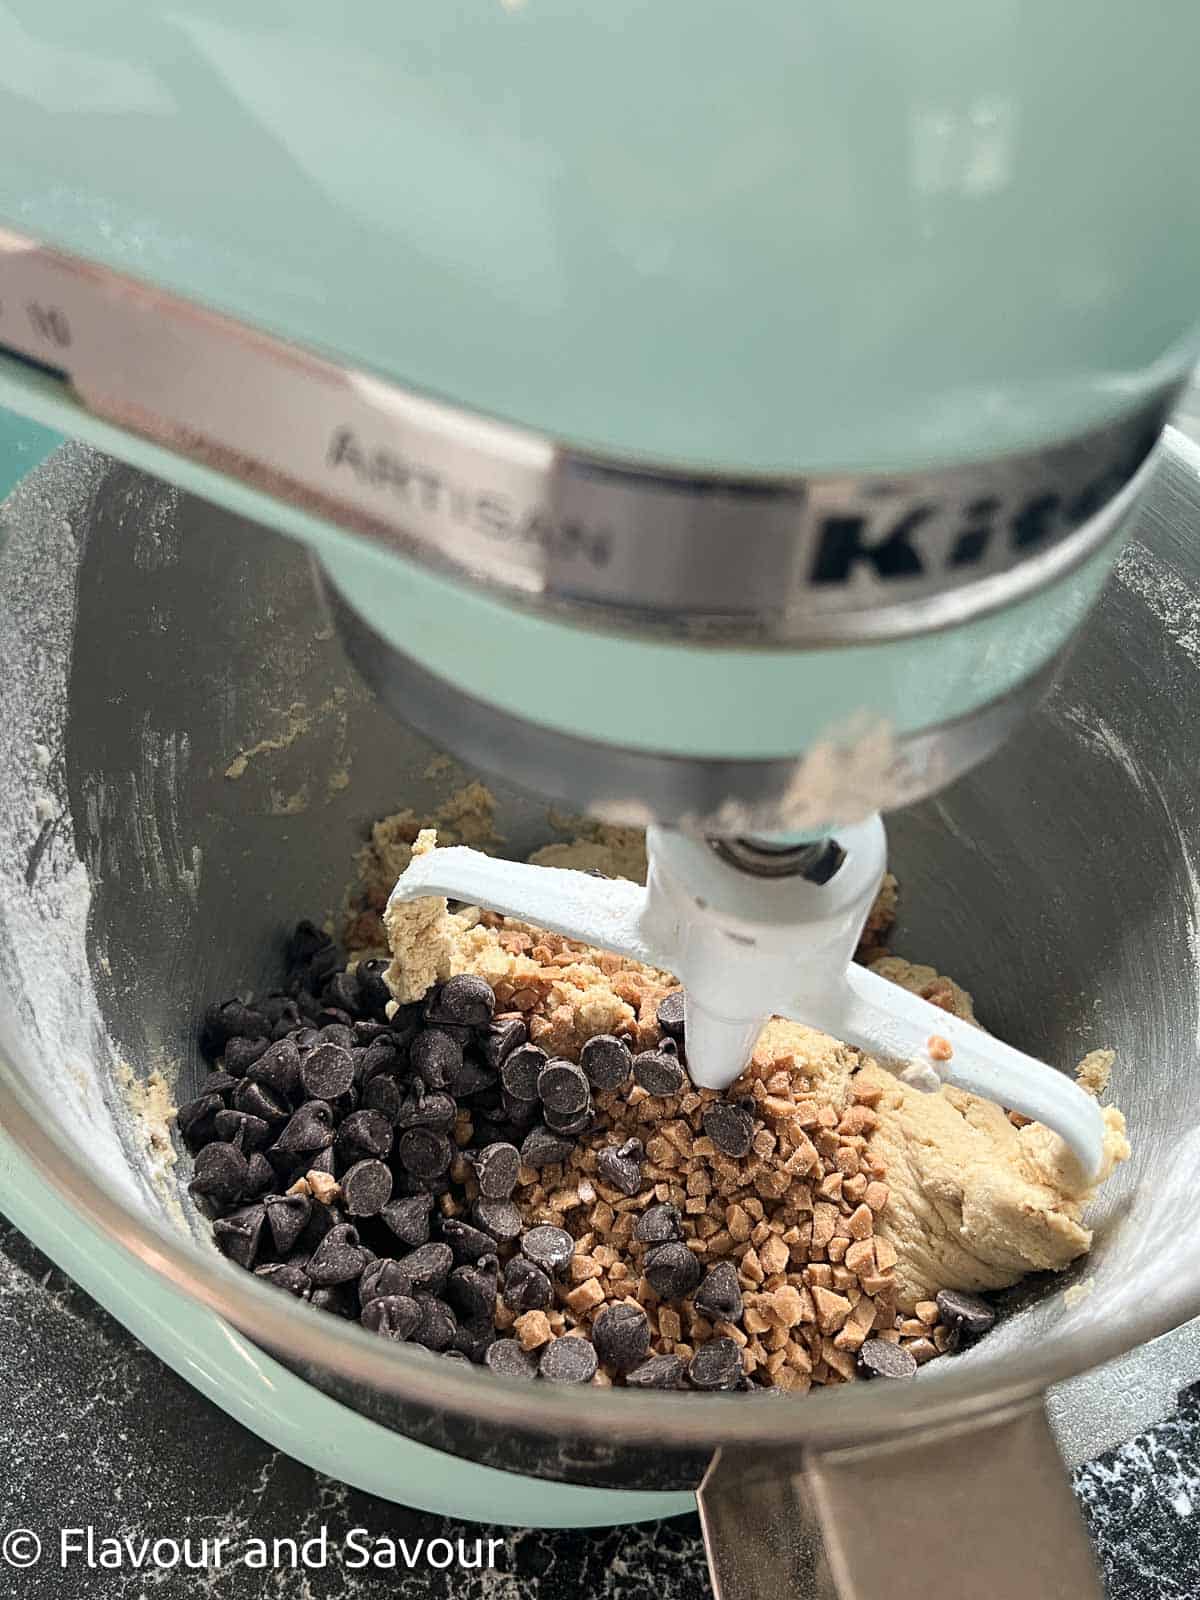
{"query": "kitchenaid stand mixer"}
{"type": "Point", "coordinates": [739, 476]}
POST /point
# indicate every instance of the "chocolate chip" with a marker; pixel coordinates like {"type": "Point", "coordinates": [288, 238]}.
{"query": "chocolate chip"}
{"type": "Point", "coordinates": [383, 1094]}
{"type": "Point", "coordinates": [366, 1188]}
{"type": "Point", "coordinates": [879, 1359]}
{"type": "Point", "coordinates": [336, 1298]}
{"type": "Point", "coordinates": [339, 1258]}
{"type": "Point", "coordinates": [393, 1316]}
{"type": "Point", "coordinates": [260, 1175]}
{"type": "Point", "coordinates": [500, 1218]}
{"type": "Point", "coordinates": [472, 1290]}
{"type": "Point", "coordinates": [240, 1055]}
{"type": "Point", "coordinates": [496, 1170]}
{"type": "Point", "coordinates": [310, 1129]}
{"type": "Point", "coordinates": [382, 1278]}
{"type": "Point", "coordinates": [621, 1166]}
{"type": "Point", "coordinates": [435, 1057]}
{"type": "Point", "coordinates": [548, 1247]}
{"type": "Point", "coordinates": [474, 1336]}
{"type": "Point", "coordinates": [730, 1127]}
{"type": "Point", "coordinates": [658, 1073]}
{"type": "Point", "coordinates": [716, 1365]}
{"type": "Point", "coordinates": [327, 1072]}
{"type": "Point", "coordinates": [427, 1111]}
{"type": "Point", "coordinates": [571, 1359]}
{"type": "Point", "coordinates": [424, 1153]}
{"type": "Point", "coordinates": [520, 1071]}
{"type": "Point", "coordinates": [219, 1174]}
{"type": "Point", "coordinates": [278, 1068]}
{"type": "Point", "coordinates": [427, 1268]}
{"type": "Point", "coordinates": [465, 1000]}
{"type": "Point", "coordinates": [322, 1219]}
{"type": "Point", "coordinates": [570, 1127]}
{"type": "Point", "coordinates": [504, 1035]}
{"type": "Point", "coordinates": [256, 1100]}
{"type": "Point", "coordinates": [471, 1078]}
{"type": "Point", "coordinates": [506, 1358]}
{"type": "Point", "coordinates": [660, 1372]}
{"type": "Point", "coordinates": [542, 1147]}
{"type": "Point", "coordinates": [719, 1297]}
{"type": "Point", "coordinates": [373, 992]}
{"type": "Point", "coordinates": [669, 1014]}
{"type": "Point", "coordinates": [287, 1218]}
{"type": "Point", "coordinates": [621, 1335]}
{"type": "Point", "coordinates": [218, 1082]}
{"type": "Point", "coordinates": [232, 1019]}
{"type": "Point", "coordinates": [195, 1120]}
{"type": "Point", "coordinates": [239, 1234]}
{"type": "Point", "coordinates": [338, 1032]}
{"type": "Point", "coordinates": [606, 1061]}
{"type": "Point", "coordinates": [409, 1218]}
{"type": "Point", "coordinates": [305, 942]}
{"type": "Point", "coordinates": [658, 1225]}
{"type": "Point", "coordinates": [966, 1313]}
{"type": "Point", "coordinates": [526, 1287]}
{"type": "Point", "coordinates": [364, 1134]}
{"type": "Point", "coordinates": [343, 991]}
{"type": "Point", "coordinates": [467, 1244]}
{"type": "Point", "coordinates": [563, 1089]}
{"type": "Point", "coordinates": [286, 1275]}
{"type": "Point", "coordinates": [322, 1161]}
{"type": "Point", "coordinates": [671, 1270]}
{"type": "Point", "coordinates": [438, 1324]}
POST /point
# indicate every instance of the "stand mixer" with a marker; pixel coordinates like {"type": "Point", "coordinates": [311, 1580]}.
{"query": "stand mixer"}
{"type": "Point", "coordinates": [730, 466]}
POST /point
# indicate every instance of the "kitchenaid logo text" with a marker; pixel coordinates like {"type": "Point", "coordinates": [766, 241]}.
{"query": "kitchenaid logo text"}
{"type": "Point", "coordinates": [488, 512]}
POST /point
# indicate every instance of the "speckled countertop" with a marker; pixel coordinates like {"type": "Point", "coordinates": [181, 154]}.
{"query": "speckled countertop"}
{"type": "Point", "coordinates": [94, 1429]}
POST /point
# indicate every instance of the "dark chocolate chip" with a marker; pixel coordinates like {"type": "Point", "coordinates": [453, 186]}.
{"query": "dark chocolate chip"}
{"type": "Point", "coordinates": [504, 1035]}
{"type": "Point", "coordinates": [218, 1082]}
{"type": "Point", "coordinates": [621, 1335]}
{"type": "Point", "coordinates": [669, 1014]}
{"type": "Point", "coordinates": [373, 992]}
{"type": "Point", "coordinates": [337, 1031]}
{"type": "Point", "coordinates": [606, 1061]}
{"type": "Point", "coordinates": [366, 1188]}
{"type": "Point", "coordinates": [966, 1313]}
{"type": "Point", "coordinates": [435, 1057]}
{"type": "Point", "coordinates": [660, 1372]}
{"type": "Point", "coordinates": [256, 1100]}
{"type": "Point", "coordinates": [380, 1055]}
{"type": "Point", "coordinates": [327, 1071]}
{"type": "Point", "coordinates": [621, 1166]}
{"type": "Point", "coordinates": [364, 1134]}
{"type": "Point", "coordinates": [570, 1127]}
{"type": "Point", "coordinates": [427, 1111]}
{"type": "Point", "coordinates": [671, 1270]}
{"type": "Point", "coordinates": [322, 1161]}
{"type": "Point", "coordinates": [382, 1278]}
{"type": "Point", "coordinates": [500, 1218]}
{"type": "Point", "coordinates": [240, 1055]}
{"type": "Point", "coordinates": [879, 1359]}
{"type": "Point", "coordinates": [196, 1120]}
{"type": "Point", "coordinates": [658, 1073]}
{"type": "Point", "coordinates": [526, 1287]}
{"type": "Point", "coordinates": [338, 1299]}
{"type": "Point", "coordinates": [472, 1290]}
{"type": "Point", "coordinates": [563, 1089]}
{"type": "Point", "coordinates": [730, 1127]}
{"type": "Point", "coordinates": [424, 1153]}
{"type": "Point", "coordinates": [409, 1218]}
{"type": "Point", "coordinates": [343, 991]}
{"type": "Point", "coordinates": [219, 1174]}
{"type": "Point", "coordinates": [520, 1071]}
{"type": "Point", "coordinates": [474, 1336]}
{"type": "Point", "coordinates": [466, 1000]}
{"type": "Point", "coordinates": [496, 1169]}
{"type": "Point", "coordinates": [393, 1316]}
{"type": "Point", "coordinates": [309, 1130]}
{"type": "Point", "coordinates": [306, 941]}
{"type": "Point", "coordinates": [542, 1147]}
{"type": "Point", "coordinates": [719, 1297]}
{"type": "Point", "coordinates": [232, 1019]}
{"type": "Point", "coordinates": [658, 1225]}
{"type": "Point", "coordinates": [428, 1267]}
{"type": "Point", "coordinates": [716, 1365]}
{"type": "Point", "coordinates": [239, 1234]}
{"type": "Point", "coordinates": [548, 1247]}
{"type": "Point", "coordinates": [383, 1094]}
{"type": "Point", "coordinates": [322, 1219]}
{"type": "Point", "coordinates": [571, 1359]}
{"type": "Point", "coordinates": [506, 1358]}
{"type": "Point", "coordinates": [471, 1078]}
{"type": "Point", "coordinates": [260, 1175]}
{"type": "Point", "coordinates": [287, 1218]}
{"type": "Point", "coordinates": [286, 1275]}
{"type": "Point", "coordinates": [438, 1325]}
{"type": "Point", "coordinates": [339, 1258]}
{"type": "Point", "coordinates": [278, 1069]}
{"type": "Point", "coordinates": [467, 1244]}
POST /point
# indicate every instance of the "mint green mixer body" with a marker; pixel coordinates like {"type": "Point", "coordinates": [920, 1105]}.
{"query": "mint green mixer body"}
{"type": "Point", "coordinates": [775, 242]}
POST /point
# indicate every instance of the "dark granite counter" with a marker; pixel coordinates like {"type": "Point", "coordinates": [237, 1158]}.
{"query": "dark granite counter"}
{"type": "Point", "coordinates": [95, 1430]}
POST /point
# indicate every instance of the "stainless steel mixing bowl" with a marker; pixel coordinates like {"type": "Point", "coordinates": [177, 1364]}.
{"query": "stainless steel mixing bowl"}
{"type": "Point", "coordinates": [151, 640]}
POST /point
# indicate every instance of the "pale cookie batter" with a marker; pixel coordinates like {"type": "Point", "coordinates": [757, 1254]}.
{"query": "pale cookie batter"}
{"type": "Point", "coordinates": [976, 1201]}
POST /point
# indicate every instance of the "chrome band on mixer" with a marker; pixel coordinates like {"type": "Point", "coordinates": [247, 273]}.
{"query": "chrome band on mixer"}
{"type": "Point", "coordinates": [619, 544]}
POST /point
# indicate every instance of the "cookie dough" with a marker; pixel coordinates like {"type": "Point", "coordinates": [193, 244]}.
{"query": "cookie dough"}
{"type": "Point", "coordinates": [976, 1200]}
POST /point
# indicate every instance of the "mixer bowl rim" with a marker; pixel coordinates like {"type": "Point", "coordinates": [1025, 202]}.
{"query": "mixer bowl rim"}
{"type": "Point", "coordinates": [861, 1412]}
